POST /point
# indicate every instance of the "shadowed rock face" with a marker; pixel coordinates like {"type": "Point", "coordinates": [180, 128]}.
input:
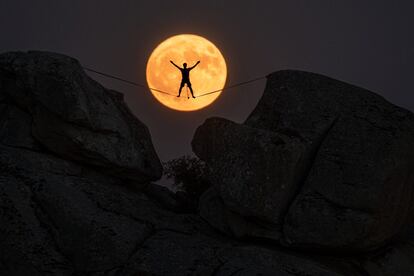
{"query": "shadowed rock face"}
{"type": "Point", "coordinates": [74, 117]}
{"type": "Point", "coordinates": [318, 164]}
{"type": "Point", "coordinates": [252, 161]}
{"type": "Point", "coordinates": [69, 203]}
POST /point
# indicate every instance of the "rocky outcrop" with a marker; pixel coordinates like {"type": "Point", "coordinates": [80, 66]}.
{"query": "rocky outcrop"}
{"type": "Point", "coordinates": [74, 117]}
{"type": "Point", "coordinates": [259, 174]}
{"type": "Point", "coordinates": [318, 164]}
{"type": "Point", "coordinates": [72, 204]}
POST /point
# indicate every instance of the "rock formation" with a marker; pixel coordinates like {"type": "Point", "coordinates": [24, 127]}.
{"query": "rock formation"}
{"type": "Point", "coordinates": [76, 168]}
{"type": "Point", "coordinates": [318, 164]}
{"type": "Point", "coordinates": [74, 117]}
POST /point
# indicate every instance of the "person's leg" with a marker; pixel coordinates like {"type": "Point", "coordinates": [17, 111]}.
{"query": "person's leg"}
{"type": "Point", "coordinates": [191, 89]}
{"type": "Point", "coordinates": [181, 87]}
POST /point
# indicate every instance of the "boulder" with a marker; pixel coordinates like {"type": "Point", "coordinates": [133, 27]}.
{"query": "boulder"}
{"type": "Point", "coordinates": [260, 170]}
{"type": "Point", "coordinates": [76, 118]}
{"type": "Point", "coordinates": [323, 163]}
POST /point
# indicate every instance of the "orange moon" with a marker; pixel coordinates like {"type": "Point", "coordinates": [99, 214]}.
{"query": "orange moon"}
{"type": "Point", "coordinates": [209, 75]}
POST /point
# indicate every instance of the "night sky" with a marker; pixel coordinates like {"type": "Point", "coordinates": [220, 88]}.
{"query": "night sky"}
{"type": "Point", "coordinates": [366, 43]}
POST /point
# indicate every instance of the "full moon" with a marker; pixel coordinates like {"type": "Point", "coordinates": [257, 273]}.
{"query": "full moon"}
{"type": "Point", "coordinates": [209, 75]}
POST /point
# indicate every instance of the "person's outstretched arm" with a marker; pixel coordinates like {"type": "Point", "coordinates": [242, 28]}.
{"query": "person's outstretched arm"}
{"type": "Point", "coordinates": [174, 64]}
{"type": "Point", "coordinates": [194, 65]}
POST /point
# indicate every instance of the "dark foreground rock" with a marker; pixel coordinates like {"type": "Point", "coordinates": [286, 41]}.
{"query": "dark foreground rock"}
{"type": "Point", "coordinates": [318, 164]}
{"type": "Point", "coordinates": [72, 204]}
{"type": "Point", "coordinates": [73, 116]}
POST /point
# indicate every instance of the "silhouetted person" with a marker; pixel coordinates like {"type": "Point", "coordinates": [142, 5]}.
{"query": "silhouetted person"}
{"type": "Point", "coordinates": [185, 73]}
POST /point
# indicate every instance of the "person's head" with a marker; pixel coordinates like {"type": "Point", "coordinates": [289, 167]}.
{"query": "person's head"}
{"type": "Point", "coordinates": [185, 65]}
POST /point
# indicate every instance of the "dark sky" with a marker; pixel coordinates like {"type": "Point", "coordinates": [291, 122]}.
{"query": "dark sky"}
{"type": "Point", "coordinates": [366, 43]}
